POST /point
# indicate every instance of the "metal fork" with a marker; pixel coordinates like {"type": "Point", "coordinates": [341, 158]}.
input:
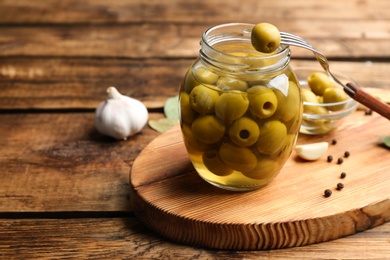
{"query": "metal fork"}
{"type": "Point", "coordinates": [350, 88]}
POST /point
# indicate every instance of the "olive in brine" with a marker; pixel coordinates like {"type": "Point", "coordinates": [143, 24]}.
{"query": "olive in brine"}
{"type": "Point", "coordinates": [272, 137]}
{"type": "Point", "coordinates": [244, 132]}
{"type": "Point", "coordinates": [203, 99]}
{"type": "Point", "coordinates": [265, 169]}
{"type": "Point", "coordinates": [288, 106]}
{"type": "Point", "coordinates": [192, 144]}
{"type": "Point", "coordinates": [208, 129]}
{"type": "Point", "coordinates": [187, 114]}
{"type": "Point", "coordinates": [238, 158]}
{"type": "Point", "coordinates": [214, 164]}
{"type": "Point", "coordinates": [231, 105]}
{"type": "Point", "coordinates": [205, 76]}
{"type": "Point", "coordinates": [228, 83]}
{"type": "Point", "coordinates": [262, 101]}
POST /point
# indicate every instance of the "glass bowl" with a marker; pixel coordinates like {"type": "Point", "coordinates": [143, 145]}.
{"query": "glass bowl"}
{"type": "Point", "coordinates": [314, 123]}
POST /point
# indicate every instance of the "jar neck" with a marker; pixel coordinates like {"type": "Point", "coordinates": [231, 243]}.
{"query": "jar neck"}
{"type": "Point", "coordinates": [227, 48]}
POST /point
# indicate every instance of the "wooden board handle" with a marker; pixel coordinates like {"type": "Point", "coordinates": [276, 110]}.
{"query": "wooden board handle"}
{"type": "Point", "coordinates": [369, 101]}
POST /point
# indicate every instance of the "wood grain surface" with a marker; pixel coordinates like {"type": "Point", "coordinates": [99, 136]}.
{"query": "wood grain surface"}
{"type": "Point", "coordinates": [128, 238]}
{"type": "Point", "coordinates": [64, 189]}
{"type": "Point", "coordinates": [169, 197]}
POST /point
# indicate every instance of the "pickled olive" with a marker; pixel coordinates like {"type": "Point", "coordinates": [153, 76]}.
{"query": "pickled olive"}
{"type": "Point", "coordinates": [286, 150]}
{"type": "Point", "coordinates": [192, 144]}
{"type": "Point", "coordinates": [262, 101]}
{"type": "Point", "coordinates": [189, 82]}
{"type": "Point", "coordinates": [228, 83]}
{"type": "Point", "coordinates": [187, 114]}
{"type": "Point", "coordinates": [208, 129]}
{"type": "Point", "coordinates": [318, 82]}
{"type": "Point", "coordinates": [335, 95]}
{"type": "Point", "coordinates": [231, 105]}
{"type": "Point", "coordinates": [265, 37]}
{"type": "Point", "coordinates": [203, 99]}
{"type": "Point", "coordinates": [309, 96]}
{"type": "Point", "coordinates": [265, 169]}
{"type": "Point", "coordinates": [205, 76]}
{"type": "Point", "coordinates": [244, 132]}
{"type": "Point", "coordinates": [272, 137]}
{"type": "Point", "coordinates": [214, 164]}
{"type": "Point", "coordinates": [288, 106]}
{"type": "Point", "coordinates": [238, 158]}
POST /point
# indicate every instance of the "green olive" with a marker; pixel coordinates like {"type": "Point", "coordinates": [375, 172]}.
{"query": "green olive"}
{"type": "Point", "coordinates": [333, 95]}
{"type": "Point", "coordinates": [244, 132]}
{"type": "Point", "coordinates": [309, 96]}
{"type": "Point", "coordinates": [272, 137]}
{"type": "Point", "coordinates": [290, 105]}
{"type": "Point", "coordinates": [318, 82]}
{"type": "Point", "coordinates": [187, 114]}
{"type": "Point", "coordinates": [286, 150]}
{"type": "Point", "coordinates": [189, 81]}
{"type": "Point", "coordinates": [317, 126]}
{"type": "Point", "coordinates": [203, 99]}
{"type": "Point", "coordinates": [265, 37]}
{"type": "Point", "coordinates": [228, 83]}
{"type": "Point", "coordinates": [192, 144]}
{"type": "Point", "coordinates": [205, 76]}
{"type": "Point", "coordinates": [208, 129]}
{"type": "Point", "coordinates": [231, 105]}
{"type": "Point", "coordinates": [265, 169]}
{"type": "Point", "coordinates": [262, 101]}
{"type": "Point", "coordinates": [214, 164]}
{"type": "Point", "coordinates": [238, 158]}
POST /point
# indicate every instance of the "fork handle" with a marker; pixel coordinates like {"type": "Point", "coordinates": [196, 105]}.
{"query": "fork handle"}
{"type": "Point", "coordinates": [369, 101]}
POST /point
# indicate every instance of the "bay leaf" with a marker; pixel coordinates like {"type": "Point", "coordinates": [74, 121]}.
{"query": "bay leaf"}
{"type": "Point", "coordinates": [385, 140]}
{"type": "Point", "coordinates": [164, 124]}
{"type": "Point", "coordinates": [171, 107]}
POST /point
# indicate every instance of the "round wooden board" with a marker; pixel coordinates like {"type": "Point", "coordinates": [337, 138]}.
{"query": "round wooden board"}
{"type": "Point", "coordinates": [168, 196]}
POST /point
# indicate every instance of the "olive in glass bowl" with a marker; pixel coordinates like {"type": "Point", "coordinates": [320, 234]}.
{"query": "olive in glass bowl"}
{"type": "Point", "coordinates": [325, 104]}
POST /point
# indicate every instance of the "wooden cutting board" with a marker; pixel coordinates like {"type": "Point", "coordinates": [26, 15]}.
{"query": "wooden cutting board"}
{"type": "Point", "coordinates": [169, 197]}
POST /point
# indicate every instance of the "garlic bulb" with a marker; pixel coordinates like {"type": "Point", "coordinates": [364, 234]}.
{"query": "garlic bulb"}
{"type": "Point", "coordinates": [120, 116]}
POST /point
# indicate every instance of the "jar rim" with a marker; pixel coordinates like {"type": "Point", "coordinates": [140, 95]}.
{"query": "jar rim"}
{"type": "Point", "coordinates": [240, 32]}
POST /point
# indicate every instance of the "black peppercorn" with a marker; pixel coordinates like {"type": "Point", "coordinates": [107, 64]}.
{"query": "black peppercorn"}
{"type": "Point", "coordinates": [340, 160]}
{"type": "Point", "coordinates": [368, 112]}
{"type": "Point", "coordinates": [340, 186]}
{"type": "Point", "coordinates": [343, 175]}
{"type": "Point", "coordinates": [347, 154]}
{"type": "Point", "coordinates": [334, 141]}
{"type": "Point", "coordinates": [327, 193]}
{"type": "Point", "coordinates": [330, 158]}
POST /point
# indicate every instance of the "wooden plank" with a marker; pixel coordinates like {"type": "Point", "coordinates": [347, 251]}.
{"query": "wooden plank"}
{"type": "Point", "coordinates": [190, 11]}
{"type": "Point", "coordinates": [127, 238]}
{"type": "Point", "coordinates": [349, 38]}
{"type": "Point", "coordinates": [81, 84]}
{"type": "Point", "coordinates": [58, 162]}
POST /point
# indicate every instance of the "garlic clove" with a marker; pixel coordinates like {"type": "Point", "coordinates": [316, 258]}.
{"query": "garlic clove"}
{"type": "Point", "coordinates": [120, 116]}
{"type": "Point", "coordinates": [312, 151]}
{"type": "Point", "coordinates": [281, 83]}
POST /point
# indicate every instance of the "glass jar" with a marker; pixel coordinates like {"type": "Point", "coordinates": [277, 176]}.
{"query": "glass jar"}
{"type": "Point", "coordinates": [240, 110]}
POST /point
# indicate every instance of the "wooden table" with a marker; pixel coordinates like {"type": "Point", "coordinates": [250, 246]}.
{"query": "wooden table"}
{"type": "Point", "coordinates": [64, 189]}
